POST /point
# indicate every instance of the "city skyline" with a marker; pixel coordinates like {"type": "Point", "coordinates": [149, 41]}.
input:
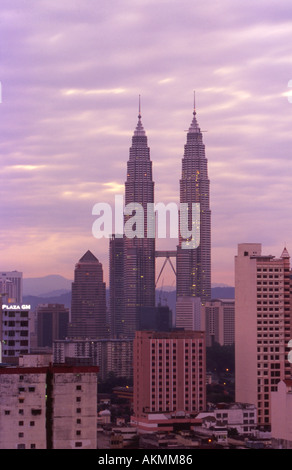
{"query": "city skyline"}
{"type": "Point", "coordinates": [71, 75]}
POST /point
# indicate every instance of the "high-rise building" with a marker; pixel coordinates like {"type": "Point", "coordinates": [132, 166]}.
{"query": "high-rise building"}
{"type": "Point", "coordinates": [52, 323]}
{"type": "Point", "coordinates": [169, 375]}
{"type": "Point", "coordinates": [220, 322]}
{"type": "Point", "coordinates": [262, 326]}
{"type": "Point", "coordinates": [194, 264]}
{"type": "Point", "coordinates": [88, 306]}
{"type": "Point", "coordinates": [189, 314]}
{"type": "Point", "coordinates": [48, 407]}
{"type": "Point", "coordinates": [139, 250]}
{"type": "Point", "coordinates": [14, 332]}
{"type": "Point", "coordinates": [11, 285]}
{"type": "Point", "coordinates": [116, 286]}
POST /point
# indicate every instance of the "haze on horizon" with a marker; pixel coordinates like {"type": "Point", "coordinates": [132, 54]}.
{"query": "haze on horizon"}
{"type": "Point", "coordinates": [71, 74]}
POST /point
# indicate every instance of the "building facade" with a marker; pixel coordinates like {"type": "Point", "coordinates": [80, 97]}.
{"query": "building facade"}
{"type": "Point", "coordinates": [116, 286]}
{"type": "Point", "coordinates": [169, 374]}
{"type": "Point", "coordinates": [189, 314]}
{"type": "Point", "coordinates": [88, 306]}
{"type": "Point", "coordinates": [194, 264]}
{"type": "Point", "coordinates": [23, 408]}
{"type": "Point", "coordinates": [262, 326]}
{"type": "Point", "coordinates": [11, 285]}
{"type": "Point", "coordinates": [220, 322]}
{"type": "Point", "coordinates": [14, 332]}
{"type": "Point", "coordinates": [281, 415]}
{"type": "Point", "coordinates": [110, 355]}
{"type": "Point", "coordinates": [52, 323]}
{"type": "Point", "coordinates": [52, 407]}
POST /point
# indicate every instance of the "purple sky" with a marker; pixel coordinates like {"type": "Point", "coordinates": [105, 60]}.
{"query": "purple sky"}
{"type": "Point", "coordinates": [71, 73]}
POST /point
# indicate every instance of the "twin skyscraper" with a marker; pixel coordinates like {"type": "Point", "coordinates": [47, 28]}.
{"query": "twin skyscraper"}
{"type": "Point", "coordinates": [132, 259]}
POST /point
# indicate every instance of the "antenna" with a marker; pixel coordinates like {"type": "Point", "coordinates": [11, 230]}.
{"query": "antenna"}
{"type": "Point", "coordinates": [139, 106]}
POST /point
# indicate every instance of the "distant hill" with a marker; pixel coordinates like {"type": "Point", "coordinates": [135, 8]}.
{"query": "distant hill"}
{"type": "Point", "coordinates": [49, 286]}
{"type": "Point", "coordinates": [165, 297]}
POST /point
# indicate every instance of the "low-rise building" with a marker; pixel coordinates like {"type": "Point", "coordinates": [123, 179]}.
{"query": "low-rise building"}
{"type": "Point", "coordinates": [241, 417]}
{"type": "Point", "coordinates": [281, 412]}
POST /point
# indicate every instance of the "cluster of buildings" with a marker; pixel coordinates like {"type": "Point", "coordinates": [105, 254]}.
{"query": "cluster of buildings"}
{"type": "Point", "coordinates": [52, 402]}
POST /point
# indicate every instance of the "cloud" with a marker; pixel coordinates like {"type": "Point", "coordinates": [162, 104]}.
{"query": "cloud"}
{"type": "Point", "coordinates": [71, 74]}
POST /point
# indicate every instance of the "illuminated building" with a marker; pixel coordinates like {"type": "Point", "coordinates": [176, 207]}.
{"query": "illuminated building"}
{"type": "Point", "coordinates": [194, 264]}
{"type": "Point", "coordinates": [139, 251]}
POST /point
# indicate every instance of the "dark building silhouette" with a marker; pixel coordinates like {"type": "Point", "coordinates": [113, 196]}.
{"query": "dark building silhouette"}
{"type": "Point", "coordinates": [156, 318]}
{"type": "Point", "coordinates": [52, 323]}
{"type": "Point", "coordinates": [194, 264]}
{"type": "Point", "coordinates": [116, 286]}
{"type": "Point", "coordinates": [88, 305]}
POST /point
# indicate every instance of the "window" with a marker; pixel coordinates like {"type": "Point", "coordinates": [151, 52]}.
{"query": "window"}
{"type": "Point", "coordinates": [31, 389]}
{"type": "Point", "coordinates": [7, 412]}
{"type": "Point", "coordinates": [78, 444]}
{"type": "Point", "coordinates": [32, 423]}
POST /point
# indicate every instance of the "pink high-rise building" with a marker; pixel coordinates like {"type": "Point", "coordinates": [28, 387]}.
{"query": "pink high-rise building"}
{"type": "Point", "coordinates": [262, 326]}
{"type": "Point", "coordinates": [169, 377]}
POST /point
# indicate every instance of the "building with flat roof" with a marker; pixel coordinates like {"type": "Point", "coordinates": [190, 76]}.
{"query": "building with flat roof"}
{"type": "Point", "coordinates": [11, 284]}
{"type": "Point", "coordinates": [169, 377]}
{"type": "Point", "coordinates": [262, 326]}
{"type": "Point", "coordinates": [14, 332]}
{"type": "Point", "coordinates": [110, 355]}
{"type": "Point", "coordinates": [48, 407]}
{"type": "Point", "coordinates": [219, 316]}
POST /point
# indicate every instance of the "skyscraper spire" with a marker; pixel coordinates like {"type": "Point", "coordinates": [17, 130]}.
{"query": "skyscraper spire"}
{"type": "Point", "coordinates": [139, 128]}
{"type": "Point", "coordinates": [194, 127]}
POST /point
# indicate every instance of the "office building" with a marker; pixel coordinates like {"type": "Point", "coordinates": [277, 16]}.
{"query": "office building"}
{"type": "Point", "coordinates": [262, 326]}
{"type": "Point", "coordinates": [169, 376]}
{"type": "Point", "coordinates": [189, 314]}
{"type": "Point", "coordinates": [52, 323]}
{"type": "Point", "coordinates": [193, 264]}
{"type": "Point", "coordinates": [139, 247]}
{"type": "Point", "coordinates": [110, 355]}
{"type": "Point", "coordinates": [88, 306]}
{"type": "Point", "coordinates": [11, 284]}
{"type": "Point", "coordinates": [14, 332]}
{"type": "Point", "coordinates": [116, 286]}
{"type": "Point", "coordinates": [157, 318]}
{"type": "Point", "coordinates": [220, 322]}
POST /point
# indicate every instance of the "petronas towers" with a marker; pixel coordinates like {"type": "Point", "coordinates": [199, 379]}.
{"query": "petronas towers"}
{"type": "Point", "coordinates": [132, 258]}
